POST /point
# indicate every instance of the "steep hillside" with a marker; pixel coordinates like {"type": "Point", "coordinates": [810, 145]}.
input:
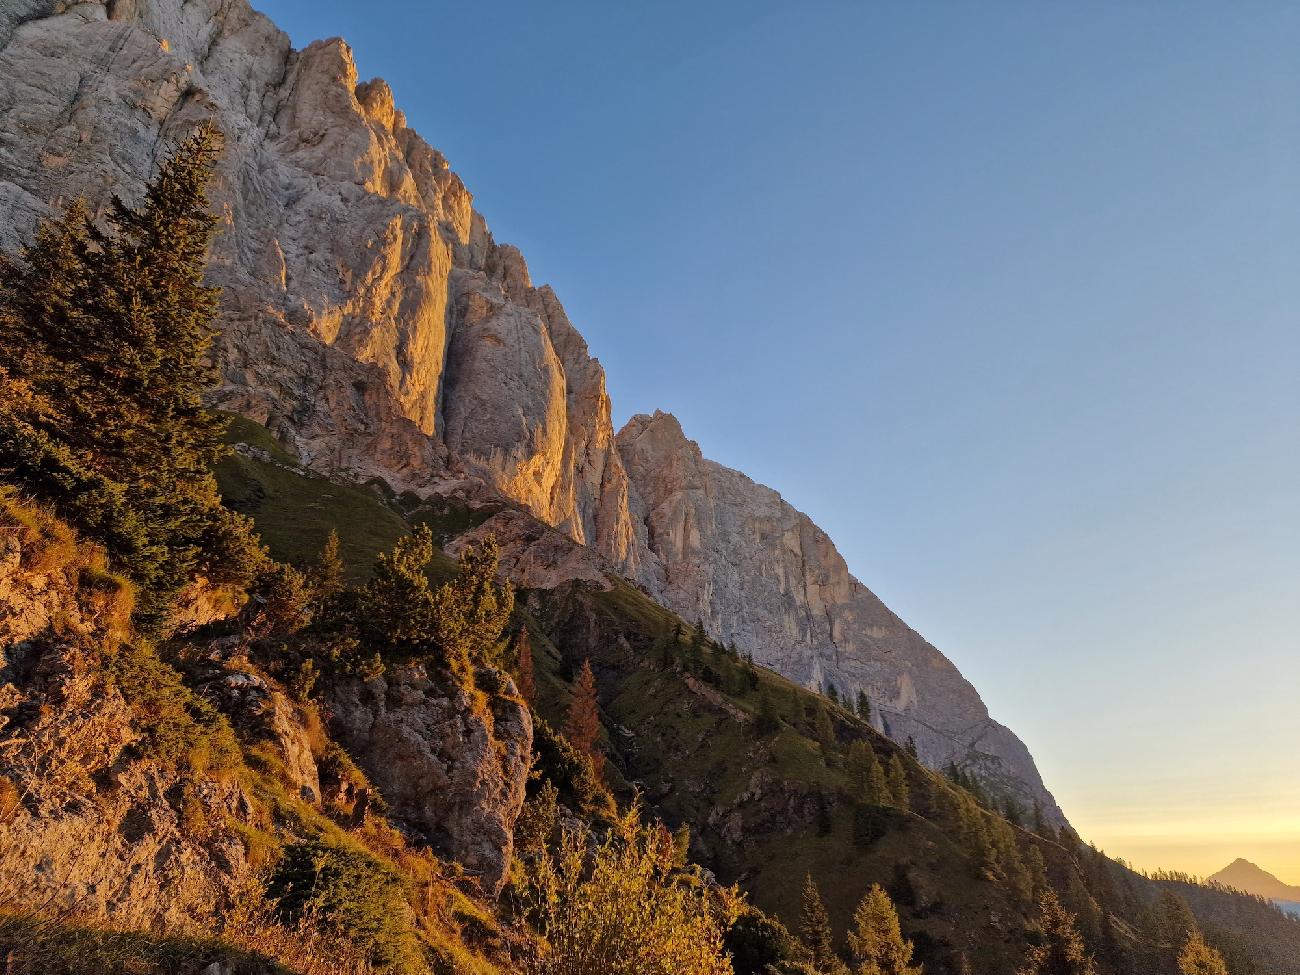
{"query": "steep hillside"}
{"type": "Point", "coordinates": [152, 796]}
{"type": "Point", "coordinates": [767, 580]}
{"type": "Point", "coordinates": [369, 319]}
{"type": "Point", "coordinates": [759, 770]}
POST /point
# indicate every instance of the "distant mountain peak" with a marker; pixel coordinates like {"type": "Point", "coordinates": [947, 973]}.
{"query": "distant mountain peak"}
{"type": "Point", "coordinates": [1254, 879]}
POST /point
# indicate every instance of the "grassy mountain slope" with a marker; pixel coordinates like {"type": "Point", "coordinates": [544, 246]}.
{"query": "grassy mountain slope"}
{"type": "Point", "coordinates": [156, 816]}
{"type": "Point", "coordinates": [765, 807]}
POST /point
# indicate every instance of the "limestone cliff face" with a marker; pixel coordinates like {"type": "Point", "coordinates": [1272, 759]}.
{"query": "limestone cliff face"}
{"type": "Point", "coordinates": [370, 319]}
{"type": "Point", "coordinates": [450, 769]}
{"type": "Point", "coordinates": [758, 573]}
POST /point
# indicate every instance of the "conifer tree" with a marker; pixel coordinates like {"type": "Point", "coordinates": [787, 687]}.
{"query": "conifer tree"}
{"type": "Point", "coordinates": [864, 705]}
{"type": "Point", "coordinates": [1010, 863]}
{"type": "Point", "coordinates": [328, 580]}
{"type": "Point", "coordinates": [583, 727]}
{"type": "Point", "coordinates": [459, 625]}
{"type": "Point", "coordinates": [1012, 812]}
{"type": "Point", "coordinates": [975, 832]}
{"type": "Point", "coordinates": [397, 604]}
{"type": "Point", "coordinates": [524, 664]}
{"type": "Point", "coordinates": [1059, 949]}
{"type": "Point", "coordinates": [1174, 922]}
{"type": "Point", "coordinates": [866, 775]}
{"type": "Point", "coordinates": [876, 941]}
{"type": "Point", "coordinates": [284, 601]}
{"type": "Point", "coordinates": [824, 730]}
{"type": "Point", "coordinates": [471, 611]}
{"type": "Point", "coordinates": [699, 640]}
{"type": "Point", "coordinates": [897, 778]}
{"type": "Point", "coordinates": [103, 342]}
{"type": "Point", "coordinates": [1198, 958]}
{"type": "Point", "coordinates": [832, 692]}
{"type": "Point", "coordinates": [815, 929]}
{"type": "Point", "coordinates": [1037, 868]}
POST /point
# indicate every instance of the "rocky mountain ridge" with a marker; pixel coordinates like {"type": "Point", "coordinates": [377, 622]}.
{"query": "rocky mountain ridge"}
{"type": "Point", "coordinates": [372, 322]}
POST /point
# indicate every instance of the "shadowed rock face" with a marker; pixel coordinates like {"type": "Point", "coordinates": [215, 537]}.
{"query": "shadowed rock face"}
{"type": "Point", "coordinates": [447, 768]}
{"type": "Point", "coordinates": [761, 575]}
{"type": "Point", "coordinates": [370, 320]}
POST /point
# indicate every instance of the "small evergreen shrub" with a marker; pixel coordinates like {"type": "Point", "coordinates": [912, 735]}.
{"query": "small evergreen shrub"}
{"type": "Point", "coordinates": [570, 770]}
{"type": "Point", "coordinates": [179, 728]}
{"type": "Point", "coordinates": [347, 892]}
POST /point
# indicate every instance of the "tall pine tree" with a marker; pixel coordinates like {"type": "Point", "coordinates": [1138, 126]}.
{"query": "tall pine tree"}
{"type": "Point", "coordinates": [104, 335]}
{"type": "Point", "coordinates": [815, 930]}
{"type": "Point", "coordinates": [898, 791]}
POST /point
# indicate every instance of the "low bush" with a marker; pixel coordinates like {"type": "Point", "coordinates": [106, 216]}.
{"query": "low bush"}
{"type": "Point", "coordinates": [349, 893]}
{"type": "Point", "coordinates": [179, 728]}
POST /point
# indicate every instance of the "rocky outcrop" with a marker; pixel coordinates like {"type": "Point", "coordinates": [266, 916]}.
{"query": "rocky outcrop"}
{"type": "Point", "coordinates": [761, 575]}
{"type": "Point", "coordinates": [264, 713]}
{"type": "Point", "coordinates": [89, 824]}
{"type": "Point", "coordinates": [372, 322]}
{"type": "Point", "coordinates": [451, 766]}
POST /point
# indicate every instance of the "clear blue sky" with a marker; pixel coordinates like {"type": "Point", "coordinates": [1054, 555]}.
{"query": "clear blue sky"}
{"type": "Point", "coordinates": [1004, 295]}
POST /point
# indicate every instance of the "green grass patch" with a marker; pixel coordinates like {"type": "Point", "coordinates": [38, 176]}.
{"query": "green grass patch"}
{"type": "Point", "coordinates": [447, 518]}
{"type": "Point", "coordinates": [240, 429]}
{"type": "Point", "coordinates": [294, 509]}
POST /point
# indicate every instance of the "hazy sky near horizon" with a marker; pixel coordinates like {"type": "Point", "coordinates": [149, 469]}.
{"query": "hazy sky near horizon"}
{"type": "Point", "coordinates": [1004, 295]}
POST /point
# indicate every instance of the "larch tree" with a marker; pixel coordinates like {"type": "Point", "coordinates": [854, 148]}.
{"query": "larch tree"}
{"type": "Point", "coordinates": [1059, 949]}
{"type": "Point", "coordinates": [524, 665]}
{"type": "Point", "coordinates": [1199, 958]}
{"type": "Point", "coordinates": [815, 930]}
{"type": "Point", "coordinates": [823, 729]}
{"type": "Point", "coordinates": [583, 726]}
{"type": "Point", "coordinates": [897, 778]}
{"type": "Point", "coordinates": [876, 940]}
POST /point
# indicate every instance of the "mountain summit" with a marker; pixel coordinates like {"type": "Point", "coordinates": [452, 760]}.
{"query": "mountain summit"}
{"type": "Point", "coordinates": [1254, 879]}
